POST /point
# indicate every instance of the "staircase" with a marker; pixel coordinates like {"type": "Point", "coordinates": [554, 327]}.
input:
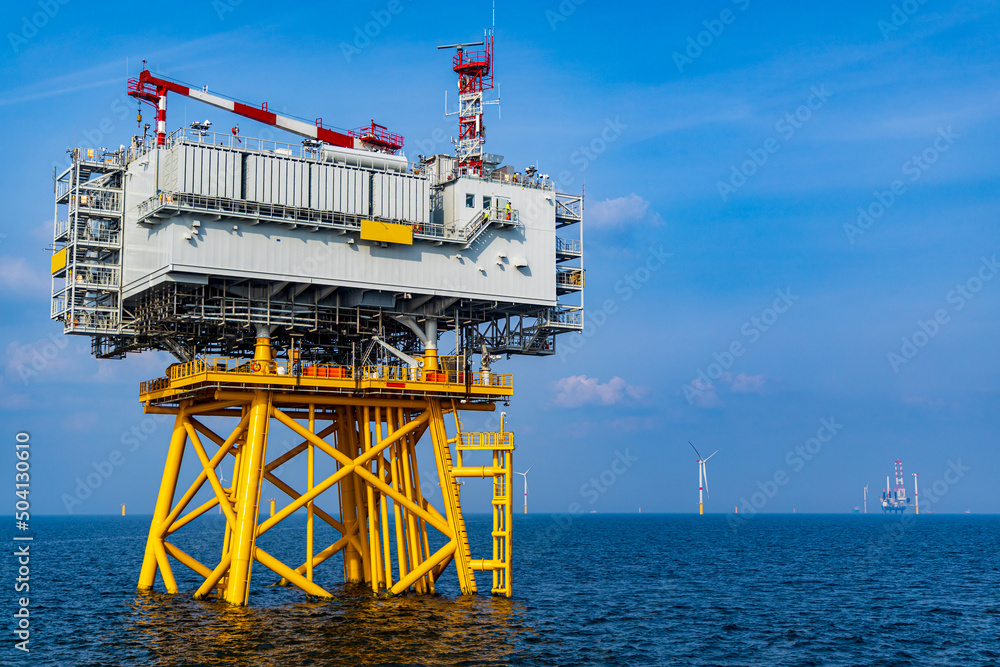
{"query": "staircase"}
{"type": "Point", "coordinates": [501, 445]}
{"type": "Point", "coordinates": [451, 489]}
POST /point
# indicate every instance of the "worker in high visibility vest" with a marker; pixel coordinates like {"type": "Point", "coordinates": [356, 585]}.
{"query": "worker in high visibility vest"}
{"type": "Point", "coordinates": [507, 210]}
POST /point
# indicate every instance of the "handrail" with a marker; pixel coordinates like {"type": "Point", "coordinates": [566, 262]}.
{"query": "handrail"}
{"type": "Point", "coordinates": [282, 367]}
{"type": "Point", "coordinates": [486, 440]}
{"type": "Point", "coordinates": [569, 276]}
{"type": "Point", "coordinates": [175, 201]}
{"type": "Point", "coordinates": [568, 245]}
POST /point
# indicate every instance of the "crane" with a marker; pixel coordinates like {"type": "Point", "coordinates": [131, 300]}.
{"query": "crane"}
{"type": "Point", "coordinates": [153, 90]}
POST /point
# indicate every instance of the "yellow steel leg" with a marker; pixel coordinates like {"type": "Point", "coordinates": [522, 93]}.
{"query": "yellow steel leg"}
{"type": "Point", "coordinates": [359, 495]}
{"type": "Point", "coordinates": [353, 566]}
{"type": "Point", "coordinates": [397, 510]}
{"type": "Point", "coordinates": [310, 480]}
{"type": "Point", "coordinates": [168, 485]}
{"type": "Point", "coordinates": [248, 500]}
{"type": "Point", "coordinates": [509, 525]}
{"type": "Point", "coordinates": [383, 509]}
{"type": "Point", "coordinates": [497, 519]}
{"type": "Point", "coordinates": [419, 499]}
{"type": "Point", "coordinates": [412, 528]}
{"type": "Point", "coordinates": [374, 557]}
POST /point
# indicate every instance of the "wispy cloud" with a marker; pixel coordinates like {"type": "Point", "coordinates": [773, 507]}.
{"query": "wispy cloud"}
{"type": "Point", "coordinates": [706, 393]}
{"type": "Point", "coordinates": [578, 390]}
{"type": "Point", "coordinates": [54, 92]}
{"type": "Point", "coordinates": [747, 384]}
{"type": "Point", "coordinates": [17, 275]}
{"type": "Point", "coordinates": [622, 211]}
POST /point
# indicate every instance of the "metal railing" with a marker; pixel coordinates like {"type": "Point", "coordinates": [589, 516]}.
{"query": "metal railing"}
{"type": "Point", "coordinates": [570, 277]}
{"type": "Point", "coordinates": [245, 208]}
{"type": "Point", "coordinates": [283, 367]}
{"type": "Point", "coordinates": [94, 277]}
{"type": "Point", "coordinates": [571, 318]}
{"type": "Point", "coordinates": [95, 199]}
{"type": "Point", "coordinates": [503, 440]}
{"type": "Point", "coordinates": [240, 143]}
{"type": "Point", "coordinates": [568, 246]}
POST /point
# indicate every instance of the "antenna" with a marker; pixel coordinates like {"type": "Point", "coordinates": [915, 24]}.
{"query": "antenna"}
{"type": "Point", "coordinates": [474, 67]}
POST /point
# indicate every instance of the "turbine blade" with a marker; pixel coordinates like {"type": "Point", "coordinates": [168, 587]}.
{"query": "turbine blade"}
{"type": "Point", "coordinates": [712, 454]}
{"type": "Point", "coordinates": [695, 449]}
{"type": "Point", "coordinates": [529, 468]}
{"type": "Point", "coordinates": [704, 471]}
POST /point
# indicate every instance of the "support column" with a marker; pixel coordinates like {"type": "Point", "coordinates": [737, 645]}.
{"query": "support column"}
{"type": "Point", "coordinates": [165, 500]}
{"type": "Point", "coordinates": [248, 499]}
{"type": "Point", "coordinates": [353, 563]}
{"type": "Point", "coordinates": [161, 118]}
{"type": "Point", "coordinates": [310, 480]}
{"type": "Point", "coordinates": [249, 481]}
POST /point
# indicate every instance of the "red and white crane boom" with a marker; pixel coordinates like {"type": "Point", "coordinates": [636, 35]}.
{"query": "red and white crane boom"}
{"type": "Point", "coordinates": [153, 90]}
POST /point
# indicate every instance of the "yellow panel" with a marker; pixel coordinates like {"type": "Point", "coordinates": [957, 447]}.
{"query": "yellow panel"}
{"type": "Point", "coordinates": [372, 230]}
{"type": "Point", "coordinates": [59, 261]}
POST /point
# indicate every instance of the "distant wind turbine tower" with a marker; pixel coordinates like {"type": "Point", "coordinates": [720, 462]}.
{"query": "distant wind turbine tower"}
{"type": "Point", "coordinates": [525, 476]}
{"type": "Point", "coordinates": [866, 499]}
{"type": "Point", "coordinates": [916, 494]}
{"type": "Point", "coordinates": [702, 477]}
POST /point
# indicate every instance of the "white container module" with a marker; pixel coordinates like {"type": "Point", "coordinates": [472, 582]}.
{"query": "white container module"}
{"type": "Point", "coordinates": [339, 189]}
{"type": "Point", "coordinates": [201, 170]}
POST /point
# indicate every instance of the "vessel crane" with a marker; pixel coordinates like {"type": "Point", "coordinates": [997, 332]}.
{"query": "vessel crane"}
{"type": "Point", "coordinates": [153, 90]}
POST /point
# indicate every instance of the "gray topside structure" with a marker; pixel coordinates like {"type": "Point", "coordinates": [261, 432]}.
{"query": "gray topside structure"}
{"type": "Point", "coordinates": [189, 246]}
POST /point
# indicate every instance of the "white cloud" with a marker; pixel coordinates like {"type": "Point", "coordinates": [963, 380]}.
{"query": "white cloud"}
{"type": "Point", "coordinates": [704, 394]}
{"type": "Point", "coordinates": [621, 211]}
{"type": "Point", "coordinates": [16, 274]}
{"type": "Point", "coordinates": [747, 384]}
{"type": "Point", "coordinates": [579, 390]}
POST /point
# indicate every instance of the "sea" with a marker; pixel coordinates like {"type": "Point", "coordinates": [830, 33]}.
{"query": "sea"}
{"type": "Point", "coordinates": [592, 589]}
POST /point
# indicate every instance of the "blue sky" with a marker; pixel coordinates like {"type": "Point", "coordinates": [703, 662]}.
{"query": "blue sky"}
{"type": "Point", "coordinates": [740, 138]}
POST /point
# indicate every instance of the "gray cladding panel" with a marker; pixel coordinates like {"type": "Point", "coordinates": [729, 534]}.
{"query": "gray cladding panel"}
{"type": "Point", "coordinates": [276, 252]}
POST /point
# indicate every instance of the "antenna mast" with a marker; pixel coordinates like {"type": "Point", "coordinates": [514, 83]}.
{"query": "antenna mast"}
{"type": "Point", "coordinates": [475, 75]}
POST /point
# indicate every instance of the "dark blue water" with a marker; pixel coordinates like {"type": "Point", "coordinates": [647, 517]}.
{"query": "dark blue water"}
{"type": "Point", "coordinates": [596, 589]}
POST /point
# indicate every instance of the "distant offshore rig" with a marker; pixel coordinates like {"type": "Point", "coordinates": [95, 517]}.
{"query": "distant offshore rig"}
{"type": "Point", "coordinates": [895, 500]}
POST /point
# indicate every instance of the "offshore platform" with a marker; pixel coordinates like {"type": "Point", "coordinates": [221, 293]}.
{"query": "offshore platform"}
{"type": "Point", "coordinates": [309, 284]}
{"type": "Point", "coordinates": [894, 500]}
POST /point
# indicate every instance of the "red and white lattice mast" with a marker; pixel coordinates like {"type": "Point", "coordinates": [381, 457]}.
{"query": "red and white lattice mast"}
{"type": "Point", "coordinates": [474, 67]}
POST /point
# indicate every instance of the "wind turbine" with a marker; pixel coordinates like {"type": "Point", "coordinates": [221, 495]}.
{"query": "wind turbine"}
{"type": "Point", "coordinates": [525, 476]}
{"type": "Point", "coordinates": [702, 477]}
{"type": "Point", "coordinates": [866, 499]}
{"type": "Point", "coordinates": [222, 483]}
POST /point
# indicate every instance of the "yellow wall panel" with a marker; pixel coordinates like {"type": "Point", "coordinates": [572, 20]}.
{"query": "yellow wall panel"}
{"type": "Point", "coordinates": [59, 261]}
{"type": "Point", "coordinates": [372, 230]}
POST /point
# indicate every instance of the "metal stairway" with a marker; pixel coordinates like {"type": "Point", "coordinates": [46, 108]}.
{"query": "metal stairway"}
{"type": "Point", "coordinates": [451, 490]}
